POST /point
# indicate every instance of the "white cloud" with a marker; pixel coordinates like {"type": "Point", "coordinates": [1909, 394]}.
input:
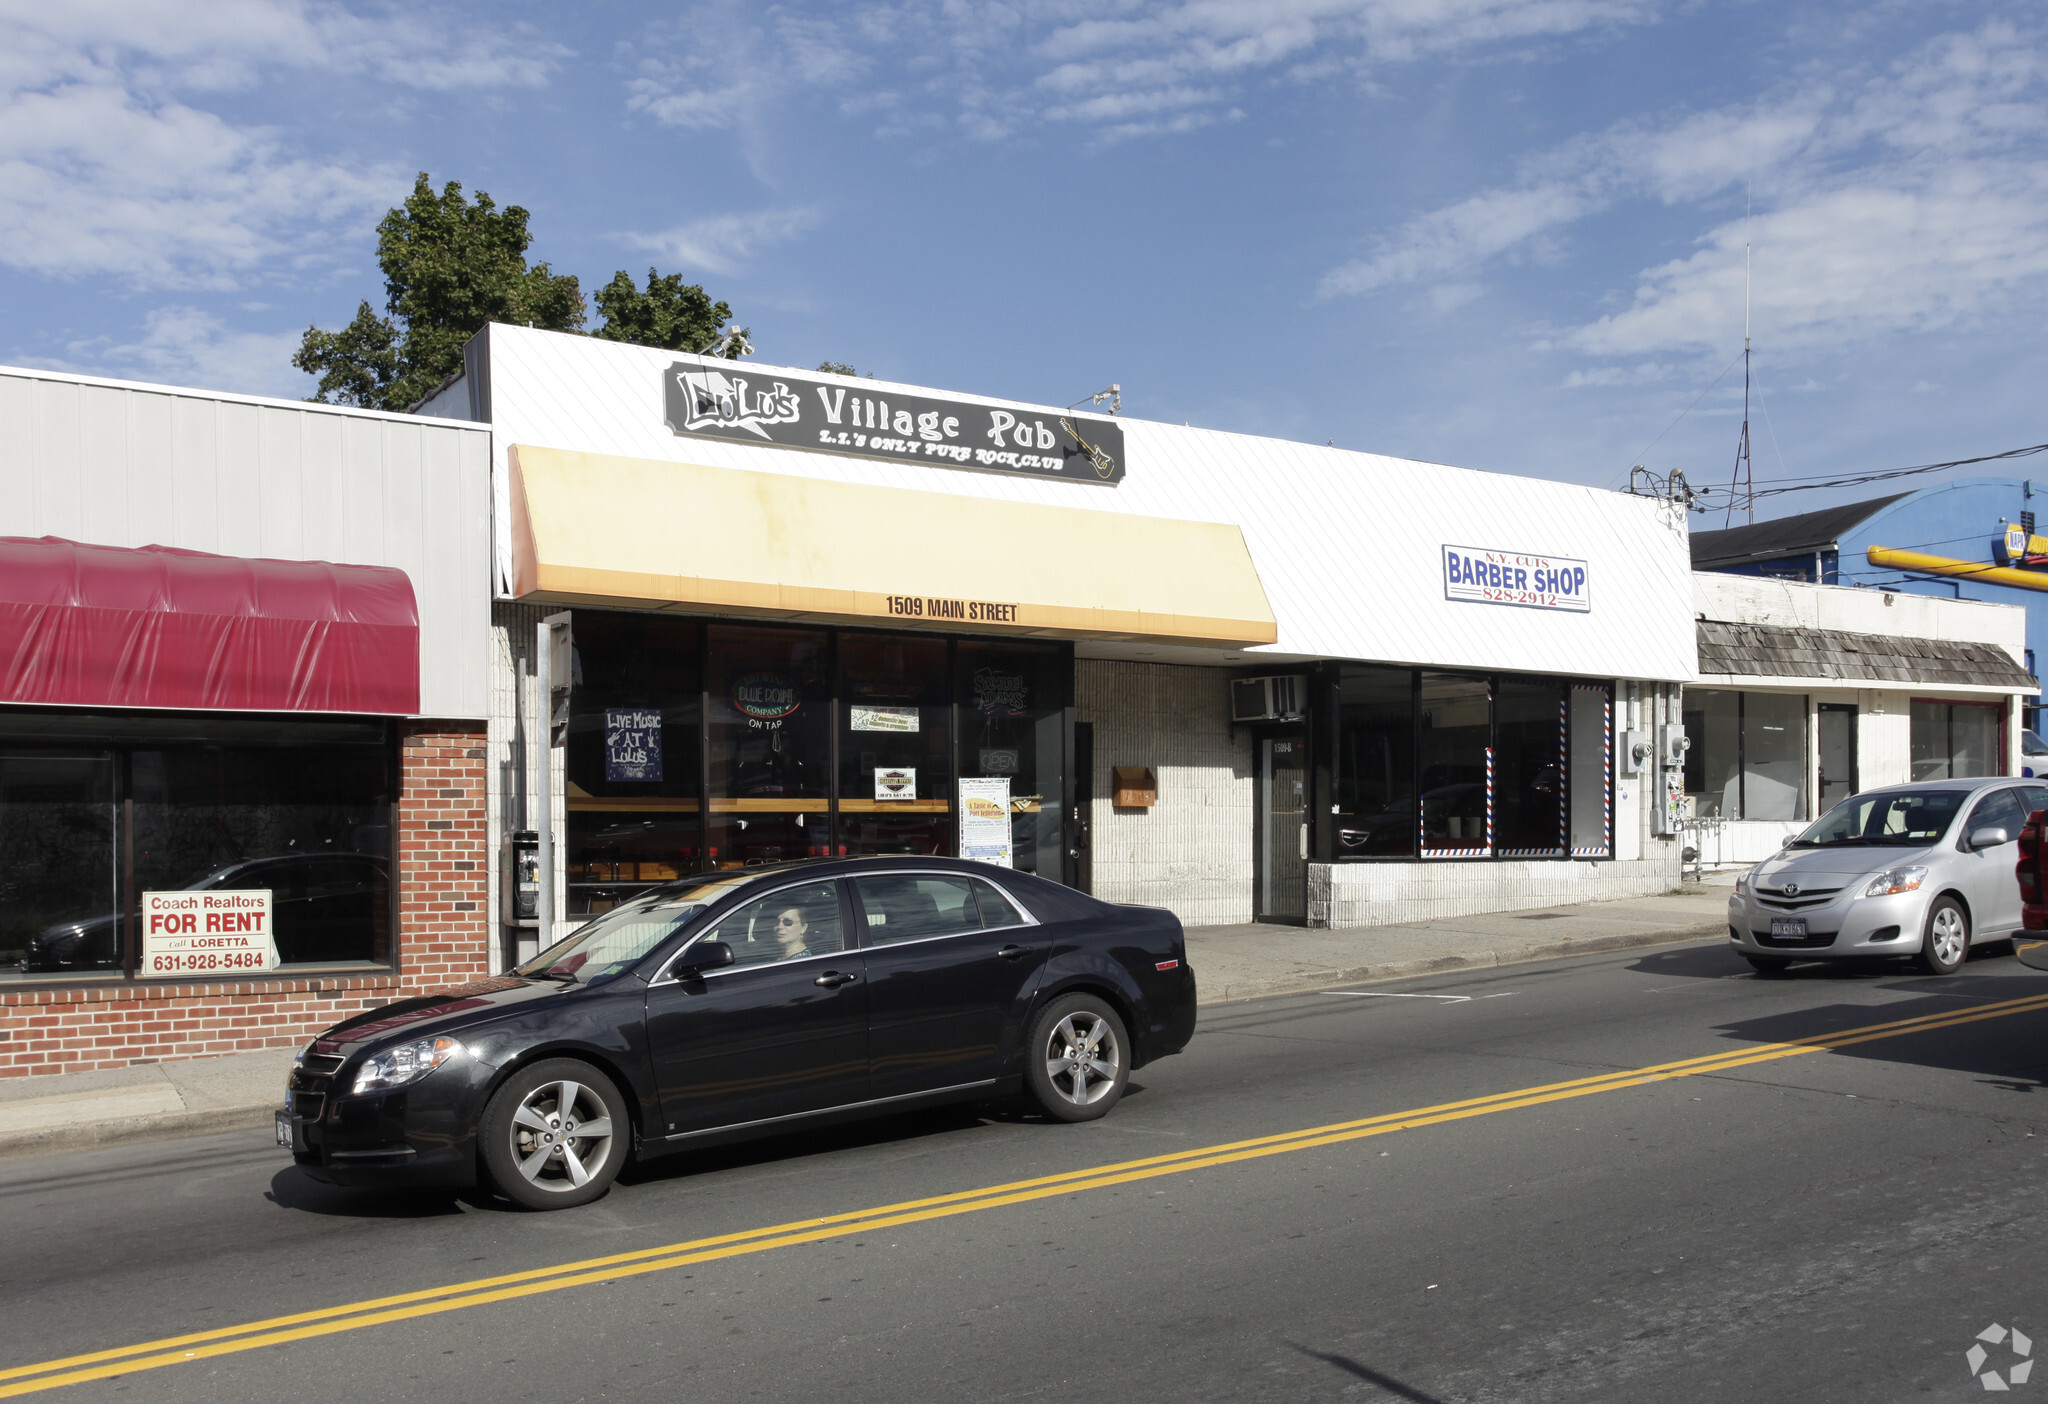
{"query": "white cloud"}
{"type": "Point", "coordinates": [188, 346]}
{"type": "Point", "coordinates": [1898, 201]}
{"type": "Point", "coordinates": [722, 243]}
{"type": "Point", "coordinates": [110, 165]}
{"type": "Point", "coordinates": [1120, 64]}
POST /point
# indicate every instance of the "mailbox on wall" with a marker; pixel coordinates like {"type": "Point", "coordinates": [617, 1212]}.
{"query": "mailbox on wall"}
{"type": "Point", "coordinates": [1133, 787]}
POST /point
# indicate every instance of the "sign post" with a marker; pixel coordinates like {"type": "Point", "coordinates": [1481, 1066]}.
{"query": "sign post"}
{"type": "Point", "coordinates": [552, 668]}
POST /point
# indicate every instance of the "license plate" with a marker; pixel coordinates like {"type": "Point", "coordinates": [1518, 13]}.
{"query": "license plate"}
{"type": "Point", "coordinates": [284, 1129]}
{"type": "Point", "coordinates": [1788, 926]}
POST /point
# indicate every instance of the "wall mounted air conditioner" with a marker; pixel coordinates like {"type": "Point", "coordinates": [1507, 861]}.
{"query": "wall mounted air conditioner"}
{"type": "Point", "coordinates": [1268, 699]}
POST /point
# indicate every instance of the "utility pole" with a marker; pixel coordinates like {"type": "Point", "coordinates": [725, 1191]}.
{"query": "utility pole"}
{"type": "Point", "coordinates": [1743, 488]}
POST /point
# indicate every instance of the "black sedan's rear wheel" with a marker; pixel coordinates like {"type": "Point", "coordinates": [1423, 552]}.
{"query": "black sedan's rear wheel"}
{"type": "Point", "coordinates": [1077, 1058]}
{"type": "Point", "coordinates": [555, 1134]}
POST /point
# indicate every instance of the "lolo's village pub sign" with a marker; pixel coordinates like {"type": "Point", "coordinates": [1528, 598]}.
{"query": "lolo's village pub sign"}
{"type": "Point", "coordinates": [718, 399]}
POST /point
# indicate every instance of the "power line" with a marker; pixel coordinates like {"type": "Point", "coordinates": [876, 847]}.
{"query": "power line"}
{"type": "Point", "coordinates": [1809, 485]}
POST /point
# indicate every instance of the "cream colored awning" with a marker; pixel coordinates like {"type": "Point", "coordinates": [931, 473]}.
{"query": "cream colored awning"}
{"type": "Point", "coordinates": [589, 528]}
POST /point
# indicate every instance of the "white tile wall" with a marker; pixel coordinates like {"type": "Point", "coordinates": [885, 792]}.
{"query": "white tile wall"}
{"type": "Point", "coordinates": [1381, 894]}
{"type": "Point", "coordinates": [1192, 852]}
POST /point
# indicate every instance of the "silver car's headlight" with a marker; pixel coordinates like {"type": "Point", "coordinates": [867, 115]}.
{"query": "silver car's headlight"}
{"type": "Point", "coordinates": [408, 1062]}
{"type": "Point", "coordinates": [1742, 883]}
{"type": "Point", "coordinates": [1897, 880]}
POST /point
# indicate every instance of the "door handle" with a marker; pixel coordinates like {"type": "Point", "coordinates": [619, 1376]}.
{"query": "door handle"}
{"type": "Point", "coordinates": [833, 979]}
{"type": "Point", "coordinates": [1013, 952]}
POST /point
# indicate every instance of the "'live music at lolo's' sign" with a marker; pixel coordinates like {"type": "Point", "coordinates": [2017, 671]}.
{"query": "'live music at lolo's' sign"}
{"type": "Point", "coordinates": [1516, 578]}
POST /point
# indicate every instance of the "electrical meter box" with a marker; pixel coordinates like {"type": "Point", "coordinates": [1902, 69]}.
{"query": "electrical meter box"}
{"type": "Point", "coordinates": [1632, 756]}
{"type": "Point", "coordinates": [520, 871]}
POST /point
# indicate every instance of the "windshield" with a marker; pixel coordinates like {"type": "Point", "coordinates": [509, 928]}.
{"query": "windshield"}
{"type": "Point", "coordinates": [1902, 819]}
{"type": "Point", "coordinates": [619, 939]}
{"type": "Point", "coordinates": [2031, 744]}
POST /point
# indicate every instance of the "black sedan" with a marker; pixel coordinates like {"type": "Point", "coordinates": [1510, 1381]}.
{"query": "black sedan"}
{"type": "Point", "coordinates": [744, 1004]}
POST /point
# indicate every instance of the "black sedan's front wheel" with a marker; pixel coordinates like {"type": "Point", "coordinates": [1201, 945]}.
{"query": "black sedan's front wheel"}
{"type": "Point", "coordinates": [1077, 1058]}
{"type": "Point", "coordinates": [555, 1134]}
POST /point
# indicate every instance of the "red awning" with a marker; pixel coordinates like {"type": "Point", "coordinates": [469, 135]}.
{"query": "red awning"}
{"type": "Point", "coordinates": [107, 626]}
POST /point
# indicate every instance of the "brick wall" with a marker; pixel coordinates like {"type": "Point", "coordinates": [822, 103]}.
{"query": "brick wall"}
{"type": "Point", "coordinates": [443, 929]}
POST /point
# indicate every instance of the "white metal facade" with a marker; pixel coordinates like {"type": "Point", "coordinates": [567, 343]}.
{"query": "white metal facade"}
{"type": "Point", "coordinates": [114, 463]}
{"type": "Point", "coordinates": [1348, 545]}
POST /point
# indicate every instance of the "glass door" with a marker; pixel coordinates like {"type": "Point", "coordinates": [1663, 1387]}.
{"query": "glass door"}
{"type": "Point", "coordinates": [1837, 726]}
{"type": "Point", "coordinates": [1281, 882]}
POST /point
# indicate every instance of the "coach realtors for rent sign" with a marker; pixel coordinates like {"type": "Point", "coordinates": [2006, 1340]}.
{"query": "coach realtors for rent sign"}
{"type": "Point", "coordinates": [203, 933]}
{"type": "Point", "coordinates": [1516, 578]}
{"type": "Point", "coordinates": [721, 400]}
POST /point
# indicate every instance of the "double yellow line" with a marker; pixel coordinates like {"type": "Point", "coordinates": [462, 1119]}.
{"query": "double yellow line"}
{"type": "Point", "coordinates": [406, 1306]}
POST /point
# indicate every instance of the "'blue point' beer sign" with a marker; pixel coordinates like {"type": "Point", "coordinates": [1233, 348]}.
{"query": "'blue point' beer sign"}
{"type": "Point", "coordinates": [1516, 578]}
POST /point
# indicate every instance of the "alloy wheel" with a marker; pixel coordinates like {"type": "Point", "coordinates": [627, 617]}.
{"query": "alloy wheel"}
{"type": "Point", "coordinates": [561, 1133]}
{"type": "Point", "coordinates": [1082, 1058]}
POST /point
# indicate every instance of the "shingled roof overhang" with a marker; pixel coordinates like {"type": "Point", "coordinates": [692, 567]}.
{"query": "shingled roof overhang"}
{"type": "Point", "coordinates": [1772, 651]}
{"type": "Point", "coordinates": [1784, 536]}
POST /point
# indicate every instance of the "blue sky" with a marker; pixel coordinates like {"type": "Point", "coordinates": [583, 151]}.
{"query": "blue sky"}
{"type": "Point", "coordinates": [1501, 233]}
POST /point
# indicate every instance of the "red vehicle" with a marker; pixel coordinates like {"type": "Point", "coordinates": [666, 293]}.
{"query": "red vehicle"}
{"type": "Point", "coordinates": [2033, 892]}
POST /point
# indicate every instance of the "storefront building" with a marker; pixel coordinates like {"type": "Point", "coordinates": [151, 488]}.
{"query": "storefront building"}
{"type": "Point", "coordinates": [798, 614]}
{"type": "Point", "coordinates": [1811, 693]}
{"type": "Point", "coordinates": [241, 718]}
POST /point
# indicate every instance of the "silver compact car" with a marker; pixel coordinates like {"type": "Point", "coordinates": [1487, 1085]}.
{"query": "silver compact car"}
{"type": "Point", "coordinates": [1917, 870]}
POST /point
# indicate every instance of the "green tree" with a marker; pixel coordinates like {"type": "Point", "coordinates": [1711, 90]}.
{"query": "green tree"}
{"type": "Point", "coordinates": [837, 368]}
{"type": "Point", "coordinates": [672, 314]}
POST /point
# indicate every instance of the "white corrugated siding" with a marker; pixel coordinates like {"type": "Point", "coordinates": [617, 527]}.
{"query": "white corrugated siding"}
{"type": "Point", "coordinates": [1348, 545]}
{"type": "Point", "coordinates": [117, 464]}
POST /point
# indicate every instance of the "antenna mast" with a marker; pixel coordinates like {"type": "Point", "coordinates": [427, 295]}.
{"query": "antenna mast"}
{"type": "Point", "coordinates": [1743, 488]}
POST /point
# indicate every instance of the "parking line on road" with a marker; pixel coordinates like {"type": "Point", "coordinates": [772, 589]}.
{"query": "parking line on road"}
{"type": "Point", "coordinates": [254, 1335]}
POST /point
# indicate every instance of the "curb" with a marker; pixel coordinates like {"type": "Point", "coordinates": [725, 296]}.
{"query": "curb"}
{"type": "Point", "coordinates": [1309, 981]}
{"type": "Point", "coordinates": [164, 1126]}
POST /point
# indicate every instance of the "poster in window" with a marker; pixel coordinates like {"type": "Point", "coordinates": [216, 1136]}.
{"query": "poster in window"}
{"type": "Point", "coordinates": [632, 743]}
{"type": "Point", "coordinates": [220, 932]}
{"type": "Point", "coordinates": [985, 820]}
{"type": "Point", "coordinates": [896, 783]}
{"type": "Point", "coordinates": [867, 717]}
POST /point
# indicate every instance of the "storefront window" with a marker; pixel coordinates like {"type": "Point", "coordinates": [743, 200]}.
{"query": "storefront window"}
{"type": "Point", "coordinates": [633, 757]}
{"type": "Point", "coordinates": [1957, 740]}
{"type": "Point", "coordinates": [58, 884]}
{"type": "Point", "coordinates": [1528, 769]}
{"type": "Point", "coordinates": [300, 809]}
{"type": "Point", "coordinates": [1590, 789]}
{"type": "Point", "coordinates": [1455, 766]}
{"type": "Point", "coordinates": [1375, 772]}
{"type": "Point", "coordinates": [1748, 755]}
{"type": "Point", "coordinates": [1011, 700]}
{"type": "Point", "coordinates": [770, 732]}
{"type": "Point", "coordinates": [311, 824]}
{"type": "Point", "coordinates": [895, 753]}
{"type": "Point", "coordinates": [1713, 763]}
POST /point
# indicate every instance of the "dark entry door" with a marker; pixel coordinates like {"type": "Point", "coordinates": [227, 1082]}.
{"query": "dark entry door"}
{"type": "Point", "coordinates": [781, 1032]}
{"type": "Point", "coordinates": [1837, 725]}
{"type": "Point", "coordinates": [1084, 807]}
{"type": "Point", "coordinates": [1281, 846]}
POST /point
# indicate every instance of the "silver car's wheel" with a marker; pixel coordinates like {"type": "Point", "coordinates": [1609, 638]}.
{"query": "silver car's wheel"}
{"type": "Point", "coordinates": [1947, 942]}
{"type": "Point", "coordinates": [1079, 1058]}
{"type": "Point", "coordinates": [555, 1134]}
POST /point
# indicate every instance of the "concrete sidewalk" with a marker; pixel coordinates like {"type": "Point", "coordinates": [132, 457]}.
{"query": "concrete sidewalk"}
{"type": "Point", "coordinates": [150, 1101]}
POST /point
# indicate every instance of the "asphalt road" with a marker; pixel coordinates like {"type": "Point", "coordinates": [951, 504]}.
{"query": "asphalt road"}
{"type": "Point", "coordinates": [1793, 1215]}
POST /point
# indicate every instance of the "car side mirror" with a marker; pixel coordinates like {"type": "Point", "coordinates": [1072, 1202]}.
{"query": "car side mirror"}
{"type": "Point", "coordinates": [1988, 837]}
{"type": "Point", "coordinates": [705, 955]}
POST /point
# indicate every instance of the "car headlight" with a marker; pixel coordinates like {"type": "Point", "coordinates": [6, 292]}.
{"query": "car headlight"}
{"type": "Point", "coordinates": [1742, 883]}
{"type": "Point", "coordinates": [1897, 880]}
{"type": "Point", "coordinates": [408, 1062]}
